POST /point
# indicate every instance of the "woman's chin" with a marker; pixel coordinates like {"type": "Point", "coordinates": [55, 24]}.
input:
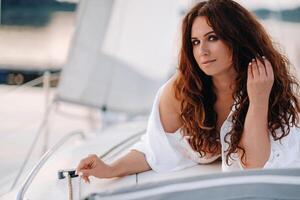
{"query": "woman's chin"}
{"type": "Point", "coordinates": [209, 72]}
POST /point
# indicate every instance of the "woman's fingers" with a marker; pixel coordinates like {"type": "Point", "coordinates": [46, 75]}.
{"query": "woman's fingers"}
{"type": "Point", "coordinates": [255, 69]}
{"type": "Point", "coordinates": [262, 68]}
{"type": "Point", "coordinates": [269, 68]}
{"type": "Point", "coordinates": [87, 162]}
{"type": "Point", "coordinates": [84, 163]}
{"type": "Point", "coordinates": [250, 73]}
{"type": "Point", "coordinates": [84, 174]}
{"type": "Point", "coordinates": [260, 86]}
{"type": "Point", "coordinates": [86, 167]}
{"type": "Point", "coordinates": [85, 179]}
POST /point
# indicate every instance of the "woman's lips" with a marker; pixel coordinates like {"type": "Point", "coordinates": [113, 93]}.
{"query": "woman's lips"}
{"type": "Point", "coordinates": [207, 62]}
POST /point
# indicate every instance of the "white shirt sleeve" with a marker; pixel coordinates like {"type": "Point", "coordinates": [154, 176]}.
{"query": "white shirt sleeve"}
{"type": "Point", "coordinates": [285, 153]}
{"type": "Point", "coordinates": [164, 152]}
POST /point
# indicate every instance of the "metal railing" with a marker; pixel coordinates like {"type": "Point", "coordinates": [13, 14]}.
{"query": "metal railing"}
{"type": "Point", "coordinates": [115, 147]}
{"type": "Point", "coordinates": [32, 146]}
{"type": "Point", "coordinates": [43, 160]}
{"type": "Point", "coordinates": [121, 146]}
{"type": "Point", "coordinates": [46, 77]}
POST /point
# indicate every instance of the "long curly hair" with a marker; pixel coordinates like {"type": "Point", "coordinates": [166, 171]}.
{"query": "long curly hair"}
{"type": "Point", "coordinates": [247, 39]}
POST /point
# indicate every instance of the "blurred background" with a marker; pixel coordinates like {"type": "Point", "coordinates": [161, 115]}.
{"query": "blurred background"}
{"type": "Point", "coordinates": [34, 37]}
{"type": "Point", "coordinates": [35, 41]}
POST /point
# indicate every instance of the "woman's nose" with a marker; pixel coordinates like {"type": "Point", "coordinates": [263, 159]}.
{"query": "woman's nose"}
{"type": "Point", "coordinates": [204, 49]}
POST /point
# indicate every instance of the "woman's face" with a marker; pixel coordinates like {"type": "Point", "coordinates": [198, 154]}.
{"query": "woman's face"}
{"type": "Point", "coordinates": [211, 53]}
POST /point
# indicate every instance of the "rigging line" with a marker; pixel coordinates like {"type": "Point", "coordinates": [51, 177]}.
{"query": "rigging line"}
{"type": "Point", "coordinates": [34, 82]}
{"type": "Point", "coordinates": [32, 146]}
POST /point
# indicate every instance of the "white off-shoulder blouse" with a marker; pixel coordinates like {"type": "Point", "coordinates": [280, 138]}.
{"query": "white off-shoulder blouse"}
{"type": "Point", "coordinates": [167, 152]}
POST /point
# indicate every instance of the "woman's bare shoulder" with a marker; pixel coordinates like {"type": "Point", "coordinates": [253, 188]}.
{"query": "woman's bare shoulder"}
{"type": "Point", "coordinates": [169, 107]}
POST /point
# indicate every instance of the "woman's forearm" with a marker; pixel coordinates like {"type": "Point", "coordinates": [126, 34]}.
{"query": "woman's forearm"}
{"type": "Point", "coordinates": [131, 163]}
{"type": "Point", "coordinates": [255, 139]}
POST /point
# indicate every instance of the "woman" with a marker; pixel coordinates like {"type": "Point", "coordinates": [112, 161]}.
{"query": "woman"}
{"type": "Point", "coordinates": [232, 97]}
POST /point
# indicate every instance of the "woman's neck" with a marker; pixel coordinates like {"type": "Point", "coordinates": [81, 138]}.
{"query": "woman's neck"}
{"type": "Point", "coordinates": [224, 85]}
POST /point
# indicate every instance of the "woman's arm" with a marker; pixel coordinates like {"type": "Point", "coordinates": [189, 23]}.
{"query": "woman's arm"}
{"type": "Point", "coordinates": [135, 161]}
{"type": "Point", "coordinates": [131, 163]}
{"type": "Point", "coordinates": [169, 107]}
{"type": "Point", "coordinates": [255, 139]}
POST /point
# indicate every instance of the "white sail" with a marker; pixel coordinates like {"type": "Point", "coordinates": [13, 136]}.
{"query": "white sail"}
{"type": "Point", "coordinates": [121, 53]}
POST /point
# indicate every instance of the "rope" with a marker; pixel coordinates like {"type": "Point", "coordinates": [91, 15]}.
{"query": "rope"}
{"type": "Point", "coordinates": [70, 187]}
{"type": "Point", "coordinates": [79, 188]}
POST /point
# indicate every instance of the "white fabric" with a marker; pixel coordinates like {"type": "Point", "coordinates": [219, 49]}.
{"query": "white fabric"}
{"type": "Point", "coordinates": [171, 151]}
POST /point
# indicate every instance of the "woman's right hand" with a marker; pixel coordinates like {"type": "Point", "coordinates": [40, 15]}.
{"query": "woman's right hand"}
{"type": "Point", "coordinates": [93, 166]}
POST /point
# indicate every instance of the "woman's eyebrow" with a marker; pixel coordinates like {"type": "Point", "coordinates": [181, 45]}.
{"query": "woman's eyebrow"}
{"type": "Point", "coordinates": [204, 34]}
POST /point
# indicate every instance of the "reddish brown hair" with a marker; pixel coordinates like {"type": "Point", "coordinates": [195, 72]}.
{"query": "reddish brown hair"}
{"type": "Point", "coordinates": [247, 39]}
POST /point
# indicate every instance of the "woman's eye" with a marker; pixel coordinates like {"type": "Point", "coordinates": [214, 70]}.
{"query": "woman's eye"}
{"type": "Point", "coordinates": [195, 42]}
{"type": "Point", "coordinates": [212, 38]}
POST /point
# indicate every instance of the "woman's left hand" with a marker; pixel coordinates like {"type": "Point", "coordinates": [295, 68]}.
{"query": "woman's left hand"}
{"type": "Point", "coordinates": [260, 81]}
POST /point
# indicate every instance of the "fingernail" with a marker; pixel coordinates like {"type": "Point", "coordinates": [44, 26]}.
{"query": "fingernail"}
{"type": "Point", "coordinates": [76, 173]}
{"type": "Point", "coordinates": [263, 57]}
{"type": "Point", "coordinates": [250, 63]}
{"type": "Point", "coordinates": [253, 59]}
